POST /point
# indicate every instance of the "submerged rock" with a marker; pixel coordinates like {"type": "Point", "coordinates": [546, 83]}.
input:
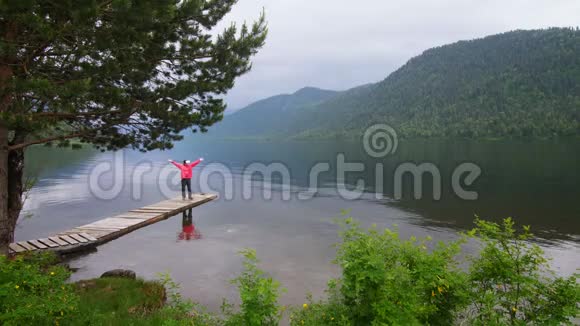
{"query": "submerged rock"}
{"type": "Point", "coordinates": [69, 268]}
{"type": "Point", "coordinates": [126, 273]}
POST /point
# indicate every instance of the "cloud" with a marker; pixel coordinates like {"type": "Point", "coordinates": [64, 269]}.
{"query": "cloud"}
{"type": "Point", "coordinates": [338, 44]}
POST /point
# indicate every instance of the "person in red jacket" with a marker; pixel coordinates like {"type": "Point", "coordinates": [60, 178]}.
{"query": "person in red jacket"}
{"type": "Point", "coordinates": [186, 174]}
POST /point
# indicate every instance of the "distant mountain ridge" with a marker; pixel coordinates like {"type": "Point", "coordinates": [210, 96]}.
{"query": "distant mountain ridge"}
{"type": "Point", "coordinates": [515, 84]}
{"type": "Point", "coordinates": [268, 117]}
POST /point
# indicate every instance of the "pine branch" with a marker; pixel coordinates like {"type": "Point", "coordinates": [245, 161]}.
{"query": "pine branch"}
{"type": "Point", "coordinates": [47, 140]}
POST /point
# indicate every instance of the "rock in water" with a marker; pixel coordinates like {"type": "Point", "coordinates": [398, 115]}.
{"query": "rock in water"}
{"type": "Point", "coordinates": [126, 273]}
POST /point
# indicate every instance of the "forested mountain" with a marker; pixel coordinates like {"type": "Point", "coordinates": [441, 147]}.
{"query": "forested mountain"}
{"type": "Point", "coordinates": [269, 117]}
{"type": "Point", "coordinates": [516, 84]}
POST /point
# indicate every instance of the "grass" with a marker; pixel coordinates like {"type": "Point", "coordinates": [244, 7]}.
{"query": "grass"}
{"type": "Point", "coordinates": [119, 301]}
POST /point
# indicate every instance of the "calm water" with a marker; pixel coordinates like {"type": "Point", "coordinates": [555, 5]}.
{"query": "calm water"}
{"type": "Point", "coordinates": [534, 182]}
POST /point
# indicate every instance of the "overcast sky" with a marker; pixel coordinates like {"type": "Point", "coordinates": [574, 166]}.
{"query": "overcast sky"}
{"type": "Point", "coordinates": [339, 44]}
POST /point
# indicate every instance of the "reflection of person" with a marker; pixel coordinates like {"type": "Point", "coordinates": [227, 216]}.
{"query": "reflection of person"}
{"type": "Point", "coordinates": [186, 174]}
{"type": "Point", "coordinates": [188, 231]}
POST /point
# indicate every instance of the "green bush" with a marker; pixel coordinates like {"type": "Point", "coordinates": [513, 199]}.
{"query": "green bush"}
{"type": "Point", "coordinates": [259, 295]}
{"type": "Point", "coordinates": [389, 281]}
{"type": "Point", "coordinates": [386, 280]}
{"type": "Point", "coordinates": [511, 283]}
{"type": "Point", "coordinates": [33, 291]}
{"type": "Point", "coordinates": [331, 311]}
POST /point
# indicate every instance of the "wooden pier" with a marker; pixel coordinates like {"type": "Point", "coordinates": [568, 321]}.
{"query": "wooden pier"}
{"type": "Point", "coordinates": [99, 232]}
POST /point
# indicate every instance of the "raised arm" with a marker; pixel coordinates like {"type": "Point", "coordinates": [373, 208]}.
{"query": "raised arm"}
{"type": "Point", "coordinates": [176, 164]}
{"type": "Point", "coordinates": [199, 160]}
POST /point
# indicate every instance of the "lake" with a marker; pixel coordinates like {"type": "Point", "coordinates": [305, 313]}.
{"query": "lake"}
{"type": "Point", "coordinates": [293, 231]}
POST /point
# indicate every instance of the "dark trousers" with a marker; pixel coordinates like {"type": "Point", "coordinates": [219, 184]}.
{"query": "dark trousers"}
{"type": "Point", "coordinates": [185, 183]}
{"type": "Point", "coordinates": [187, 218]}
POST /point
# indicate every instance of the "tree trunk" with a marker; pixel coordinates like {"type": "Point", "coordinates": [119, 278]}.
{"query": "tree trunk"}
{"type": "Point", "coordinates": [5, 233]}
{"type": "Point", "coordinates": [10, 201]}
{"type": "Point", "coordinates": [11, 189]}
{"type": "Point", "coordinates": [15, 187]}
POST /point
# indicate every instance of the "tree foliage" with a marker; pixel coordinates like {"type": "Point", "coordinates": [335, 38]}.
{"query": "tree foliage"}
{"type": "Point", "coordinates": [119, 73]}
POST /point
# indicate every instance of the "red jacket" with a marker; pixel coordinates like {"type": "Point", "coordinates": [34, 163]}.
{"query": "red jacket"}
{"type": "Point", "coordinates": [186, 168]}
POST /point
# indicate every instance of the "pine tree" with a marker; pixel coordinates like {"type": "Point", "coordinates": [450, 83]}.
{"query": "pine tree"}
{"type": "Point", "coordinates": [113, 73]}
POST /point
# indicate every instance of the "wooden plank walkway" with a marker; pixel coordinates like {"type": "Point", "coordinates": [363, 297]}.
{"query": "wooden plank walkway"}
{"type": "Point", "coordinates": [99, 232]}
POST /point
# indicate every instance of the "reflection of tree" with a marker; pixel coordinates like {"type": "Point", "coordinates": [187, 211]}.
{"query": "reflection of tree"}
{"type": "Point", "coordinates": [41, 160]}
{"type": "Point", "coordinates": [188, 230]}
{"type": "Point", "coordinates": [549, 221]}
{"type": "Point", "coordinates": [535, 183]}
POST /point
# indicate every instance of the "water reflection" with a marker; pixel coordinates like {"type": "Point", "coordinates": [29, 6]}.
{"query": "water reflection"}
{"type": "Point", "coordinates": [533, 182]}
{"type": "Point", "coordinates": [188, 230]}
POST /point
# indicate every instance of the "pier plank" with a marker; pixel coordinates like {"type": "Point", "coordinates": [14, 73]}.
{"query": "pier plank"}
{"type": "Point", "coordinates": [47, 242]}
{"type": "Point", "coordinates": [91, 230]}
{"type": "Point", "coordinates": [37, 244]}
{"type": "Point", "coordinates": [149, 211]}
{"type": "Point", "coordinates": [155, 209]}
{"type": "Point", "coordinates": [59, 241]}
{"type": "Point", "coordinates": [26, 245]}
{"type": "Point", "coordinates": [94, 233]}
{"type": "Point", "coordinates": [115, 224]}
{"type": "Point", "coordinates": [135, 217]}
{"type": "Point", "coordinates": [78, 238]}
{"type": "Point", "coordinates": [101, 227]}
{"type": "Point", "coordinates": [16, 248]}
{"type": "Point", "coordinates": [88, 236]}
{"type": "Point", "coordinates": [69, 239]}
{"type": "Point", "coordinates": [98, 228]}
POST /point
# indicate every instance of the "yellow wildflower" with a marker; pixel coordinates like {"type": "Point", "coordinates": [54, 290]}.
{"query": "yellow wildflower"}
{"type": "Point", "coordinates": [51, 273]}
{"type": "Point", "coordinates": [16, 286]}
{"type": "Point", "coordinates": [514, 309]}
{"type": "Point", "coordinates": [305, 306]}
{"type": "Point", "coordinates": [432, 293]}
{"type": "Point", "coordinates": [439, 289]}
